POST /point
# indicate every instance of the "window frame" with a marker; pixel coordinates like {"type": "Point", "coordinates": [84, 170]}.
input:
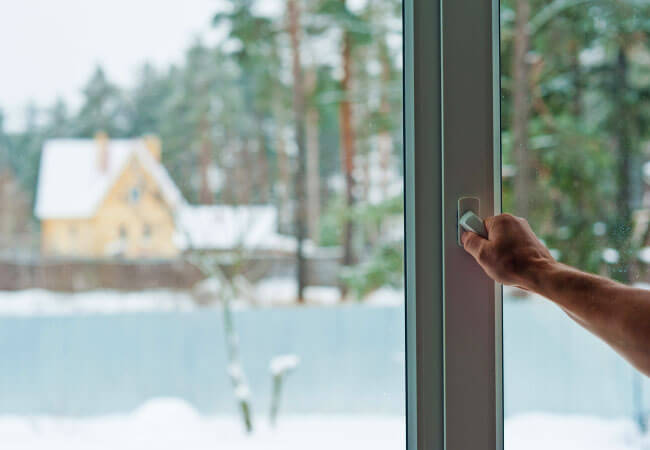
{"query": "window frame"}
{"type": "Point", "coordinates": [453, 311]}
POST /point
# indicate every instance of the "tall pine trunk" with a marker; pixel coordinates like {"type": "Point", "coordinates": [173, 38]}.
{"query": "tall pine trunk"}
{"type": "Point", "coordinates": [244, 184]}
{"type": "Point", "coordinates": [262, 186]}
{"type": "Point", "coordinates": [520, 112]}
{"type": "Point", "coordinates": [578, 83]}
{"type": "Point", "coordinates": [313, 159]}
{"type": "Point", "coordinates": [284, 178]}
{"type": "Point", "coordinates": [347, 146]}
{"type": "Point", "coordinates": [385, 140]}
{"type": "Point", "coordinates": [299, 120]}
{"type": "Point", "coordinates": [313, 175]}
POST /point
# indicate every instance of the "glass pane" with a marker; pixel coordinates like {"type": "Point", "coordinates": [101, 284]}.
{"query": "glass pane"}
{"type": "Point", "coordinates": [575, 82]}
{"type": "Point", "coordinates": [201, 225]}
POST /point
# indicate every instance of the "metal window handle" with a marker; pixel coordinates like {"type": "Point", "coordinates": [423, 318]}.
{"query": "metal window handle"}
{"type": "Point", "coordinates": [468, 217]}
{"type": "Point", "coordinates": [471, 222]}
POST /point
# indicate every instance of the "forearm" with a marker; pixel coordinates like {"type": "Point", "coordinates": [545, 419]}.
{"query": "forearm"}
{"type": "Point", "coordinates": [618, 314]}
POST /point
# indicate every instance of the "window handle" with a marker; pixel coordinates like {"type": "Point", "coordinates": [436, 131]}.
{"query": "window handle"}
{"type": "Point", "coordinates": [471, 222]}
{"type": "Point", "coordinates": [468, 217]}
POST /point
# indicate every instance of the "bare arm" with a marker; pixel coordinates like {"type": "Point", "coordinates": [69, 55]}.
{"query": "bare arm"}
{"type": "Point", "coordinates": [618, 314]}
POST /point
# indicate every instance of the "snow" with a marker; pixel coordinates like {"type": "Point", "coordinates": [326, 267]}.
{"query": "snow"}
{"type": "Point", "coordinates": [385, 296]}
{"type": "Point", "coordinates": [282, 291]}
{"type": "Point", "coordinates": [269, 292]}
{"type": "Point", "coordinates": [610, 256]}
{"type": "Point", "coordinates": [72, 185]}
{"type": "Point", "coordinates": [537, 431]}
{"type": "Point", "coordinates": [242, 392]}
{"type": "Point", "coordinates": [169, 423]}
{"type": "Point", "coordinates": [39, 302]}
{"type": "Point", "coordinates": [225, 227]}
{"type": "Point", "coordinates": [235, 371]}
{"type": "Point", "coordinates": [283, 364]}
{"type": "Point", "coordinates": [600, 228]}
{"type": "Point", "coordinates": [644, 255]}
{"type": "Point", "coordinates": [592, 56]}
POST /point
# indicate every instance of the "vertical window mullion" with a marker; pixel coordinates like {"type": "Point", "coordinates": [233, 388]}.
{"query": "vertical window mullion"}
{"type": "Point", "coordinates": [423, 219]}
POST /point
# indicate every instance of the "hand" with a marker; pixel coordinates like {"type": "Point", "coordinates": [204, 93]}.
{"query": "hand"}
{"type": "Point", "coordinates": [511, 254]}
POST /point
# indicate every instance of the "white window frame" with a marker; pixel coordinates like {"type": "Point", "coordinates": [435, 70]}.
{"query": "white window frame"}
{"type": "Point", "coordinates": [452, 149]}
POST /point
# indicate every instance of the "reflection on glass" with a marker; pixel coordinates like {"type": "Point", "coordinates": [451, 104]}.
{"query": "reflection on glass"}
{"type": "Point", "coordinates": [575, 83]}
{"type": "Point", "coordinates": [201, 225]}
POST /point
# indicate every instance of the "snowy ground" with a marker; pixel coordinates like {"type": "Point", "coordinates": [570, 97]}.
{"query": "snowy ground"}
{"type": "Point", "coordinates": [166, 424]}
{"type": "Point", "coordinates": [267, 293]}
{"type": "Point", "coordinates": [554, 432]}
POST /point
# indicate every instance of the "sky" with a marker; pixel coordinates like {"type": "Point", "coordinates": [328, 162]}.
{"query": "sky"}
{"type": "Point", "coordinates": [49, 48]}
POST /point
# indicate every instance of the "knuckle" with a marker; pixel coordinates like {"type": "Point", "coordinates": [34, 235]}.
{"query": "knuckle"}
{"type": "Point", "coordinates": [506, 219]}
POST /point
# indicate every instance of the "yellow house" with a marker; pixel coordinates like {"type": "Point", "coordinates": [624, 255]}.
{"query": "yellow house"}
{"type": "Point", "coordinates": [106, 198]}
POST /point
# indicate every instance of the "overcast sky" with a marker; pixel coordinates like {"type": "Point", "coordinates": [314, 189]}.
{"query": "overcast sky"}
{"type": "Point", "coordinates": [50, 47]}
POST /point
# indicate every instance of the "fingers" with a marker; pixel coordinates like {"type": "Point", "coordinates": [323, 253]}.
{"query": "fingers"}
{"type": "Point", "coordinates": [472, 243]}
{"type": "Point", "coordinates": [489, 222]}
{"type": "Point", "coordinates": [504, 220]}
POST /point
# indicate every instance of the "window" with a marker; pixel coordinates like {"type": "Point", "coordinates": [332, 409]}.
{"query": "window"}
{"type": "Point", "coordinates": [123, 233]}
{"type": "Point", "coordinates": [257, 299]}
{"type": "Point", "coordinates": [147, 232]}
{"type": "Point", "coordinates": [574, 78]}
{"type": "Point", "coordinates": [134, 194]}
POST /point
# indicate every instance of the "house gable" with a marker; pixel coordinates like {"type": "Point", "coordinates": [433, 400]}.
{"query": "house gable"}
{"type": "Point", "coordinates": [135, 218]}
{"type": "Point", "coordinates": [74, 176]}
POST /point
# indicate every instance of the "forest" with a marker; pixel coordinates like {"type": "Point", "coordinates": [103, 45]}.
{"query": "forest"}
{"type": "Point", "coordinates": [303, 110]}
{"type": "Point", "coordinates": [575, 78]}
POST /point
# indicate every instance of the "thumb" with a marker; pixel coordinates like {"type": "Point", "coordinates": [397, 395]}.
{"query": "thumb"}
{"type": "Point", "coordinates": [472, 243]}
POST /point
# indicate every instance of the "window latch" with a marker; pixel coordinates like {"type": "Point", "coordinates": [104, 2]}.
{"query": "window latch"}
{"type": "Point", "coordinates": [468, 217]}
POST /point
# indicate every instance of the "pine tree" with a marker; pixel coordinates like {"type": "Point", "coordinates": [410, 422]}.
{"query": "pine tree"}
{"type": "Point", "coordinates": [147, 101]}
{"type": "Point", "coordinates": [103, 109]}
{"type": "Point", "coordinates": [354, 32]}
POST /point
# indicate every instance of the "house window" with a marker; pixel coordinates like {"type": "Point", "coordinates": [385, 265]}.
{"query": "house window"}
{"type": "Point", "coordinates": [135, 194]}
{"type": "Point", "coordinates": [123, 233]}
{"type": "Point", "coordinates": [147, 232]}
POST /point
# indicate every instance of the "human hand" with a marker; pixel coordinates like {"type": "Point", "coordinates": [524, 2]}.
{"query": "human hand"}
{"type": "Point", "coordinates": [511, 254]}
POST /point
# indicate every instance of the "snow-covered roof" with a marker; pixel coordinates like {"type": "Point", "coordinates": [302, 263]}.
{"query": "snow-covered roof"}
{"type": "Point", "coordinates": [225, 227]}
{"type": "Point", "coordinates": [72, 184]}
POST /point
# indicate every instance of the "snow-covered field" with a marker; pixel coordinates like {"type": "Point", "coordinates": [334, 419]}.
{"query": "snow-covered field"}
{"type": "Point", "coordinates": [170, 424]}
{"type": "Point", "coordinates": [166, 424]}
{"type": "Point", "coordinates": [558, 432]}
{"type": "Point", "coordinates": [267, 293]}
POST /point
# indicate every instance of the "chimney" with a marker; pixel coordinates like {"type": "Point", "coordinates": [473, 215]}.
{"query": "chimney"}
{"type": "Point", "coordinates": [154, 145]}
{"type": "Point", "coordinates": [101, 139]}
